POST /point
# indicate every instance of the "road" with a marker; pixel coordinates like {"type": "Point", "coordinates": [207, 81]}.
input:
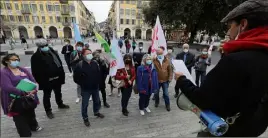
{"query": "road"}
{"type": "Point", "coordinates": [68, 123]}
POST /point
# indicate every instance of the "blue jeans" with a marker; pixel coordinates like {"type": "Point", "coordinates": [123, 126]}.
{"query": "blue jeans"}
{"type": "Point", "coordinates": [85, 99]}
{"type": "Point", "coordinates": [164, 86]}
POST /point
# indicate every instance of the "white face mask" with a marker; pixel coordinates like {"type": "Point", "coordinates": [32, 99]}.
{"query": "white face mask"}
{"type": "Point", "coordinates": [66, 43]}
{"type": "Point", "coordinates": [169, 50]}
{"type": "Point", "coordinates": [185, 50]}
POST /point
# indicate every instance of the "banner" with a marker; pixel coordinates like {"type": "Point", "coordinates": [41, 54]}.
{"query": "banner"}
{"type": "Point", "coordinates": [77, 35]}
{"type": "Point", "coordinates": [158, 38]}
{"type": "Point", "coordinates": [117, 62]}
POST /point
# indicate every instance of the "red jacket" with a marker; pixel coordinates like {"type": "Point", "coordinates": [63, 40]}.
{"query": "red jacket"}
{"type": "Point", "coordinates": [122, 75]}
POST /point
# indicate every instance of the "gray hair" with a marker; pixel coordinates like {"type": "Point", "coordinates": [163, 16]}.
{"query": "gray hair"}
{"type": "Point", "coordinates": [41, 42]}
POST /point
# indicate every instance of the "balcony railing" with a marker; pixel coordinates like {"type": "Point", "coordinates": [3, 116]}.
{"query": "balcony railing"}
{"type": "Point", "coordinates": [66, 23]}
{"type": "Point", "coordinates": [63, 1]}
{"type": "Point", "coordinates": [26, 11]}
{"type": "Point", "coordinates": [65, 12]}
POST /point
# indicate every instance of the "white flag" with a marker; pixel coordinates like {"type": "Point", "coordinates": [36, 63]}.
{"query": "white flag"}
{"type": "Point", "coordinates": [158, 38]}
{"type": "Point", "coordinates": [118, 62]}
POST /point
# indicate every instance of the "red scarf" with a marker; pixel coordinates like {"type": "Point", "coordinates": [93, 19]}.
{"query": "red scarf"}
{"type": "Point", "coordinates": [253, 39]}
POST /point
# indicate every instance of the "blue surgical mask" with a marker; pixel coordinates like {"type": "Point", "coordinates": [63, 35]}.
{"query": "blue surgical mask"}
{"type": "Point", "coordinates": [79, 48]}
{"type": "Point", "coordinates": [160, 56]}
{"type": "Point", "coordinates": [45, 49]}
{"type": "Point", "coordinates": [148, 62]}
{"type": "Point", "coordinates": [14, 64]}
{"type": "Point", "coordinates": [89, 57]}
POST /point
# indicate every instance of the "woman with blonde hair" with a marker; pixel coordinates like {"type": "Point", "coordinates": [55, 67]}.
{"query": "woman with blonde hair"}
{"type": "Point", "coordinates": [147, 83]}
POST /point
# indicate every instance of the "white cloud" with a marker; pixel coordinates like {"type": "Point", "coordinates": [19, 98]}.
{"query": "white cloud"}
{"type": "Point", "coordinates": [100, 9]}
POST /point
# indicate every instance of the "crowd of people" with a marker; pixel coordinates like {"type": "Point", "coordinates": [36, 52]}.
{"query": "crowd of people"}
{"type": "Point", "coordinates": [237, 86]}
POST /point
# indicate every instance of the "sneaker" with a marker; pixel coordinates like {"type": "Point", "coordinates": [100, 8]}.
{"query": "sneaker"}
{"type": "Point", "coordinates": [38, 129]}
{"type": "Point", "coordinates": [64, 106]}
{"type": "Point", "coordinates": [90, 99]}
{"type": "Point", "coordinates": [147, 110]}
{"type": "Point", "coordinates": [106, 105]}
{"type": "Point", "coordinates": [99, 115]}
{"type": "Point", "coordinates": [50, 115]}
{"type": "Point", "coordinates": [110, 94]}
{"type": "Point", "coordinates": [156, 105]}
{"type": "Point", "coordinates": [77, 100]}
{"type": "Point", "coordinates": [70, 75]}
{"type": "Point", "coordinates": [142, 112]}
{"type": "Point", "coordinates": [119, 94]}
{"type": "Point", "coordinates": [87, 123]}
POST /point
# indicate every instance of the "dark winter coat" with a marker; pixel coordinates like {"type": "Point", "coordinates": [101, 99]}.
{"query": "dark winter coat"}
{"type": "Point", "coordinates": [190, 59]}
{"type": "Point", "coordinates": [44, 68]}
{"type": "Point", "coordinates": [236, 84]}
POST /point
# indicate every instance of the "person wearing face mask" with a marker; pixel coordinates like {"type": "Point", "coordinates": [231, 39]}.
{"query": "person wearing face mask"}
{"type": "Point", "coordinates": [128, 75]}
{"type": "Point", "coordinates": [67, 49]}
{"type": "Point", "coordinates": [11, 75]}
{"type": "Point", "coordinates": [187, 57]}
{"type": "Point", "coordinates": [165, 75]}
{"type": "Point", "coordinates": [104, 73]}
{"type": "Point", "coordinates": [201, 63]}
{"type": "Point", "coordinates": [147, 83]}
{"type": "Point", "coordinates": [88, 76]}
{"type": "Point", "coordinates": [48, 71]}
{"type": "Point", "coordinates": [237, 86]}
{"type": "Point", "coordinates": [76, 56]}
{"type": "Point", "coordinates": [189, 60]}
{"type": "Point", "coordinates": [169, 53]}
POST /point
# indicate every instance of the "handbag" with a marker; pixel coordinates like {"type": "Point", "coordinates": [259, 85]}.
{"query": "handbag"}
{"type": "Point", "coordinates": [117, 83]}
{"type": "Point", "coordinates": [21, 104]}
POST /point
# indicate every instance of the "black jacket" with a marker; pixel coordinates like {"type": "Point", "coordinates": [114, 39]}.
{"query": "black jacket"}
{"type": "Point", "coordinates": [43, 68]}
{"type": "Point", "coordinates": [104, 72]}
{"type": "Point", "coordinates": [236, 84]}
{"type": "Point", "coordinates": [88, 76]}
{"type": "Point", "coordinates": [64, 51]}
{"type": "Point", "coordinates": [190, 59]}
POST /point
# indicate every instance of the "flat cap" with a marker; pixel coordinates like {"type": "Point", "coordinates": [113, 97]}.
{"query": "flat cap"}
{"type": "Point", "coordinates": [41, 42]}
{"type": "Point", "coordinates": [247, 7]}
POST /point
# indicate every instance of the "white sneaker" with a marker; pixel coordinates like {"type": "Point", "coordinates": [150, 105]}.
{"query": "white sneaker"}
{"type": "Point", "coordinates": [90, 99]}
{"type": "Point", "coordinates": [110, 94]}
{"type": "Point", "coordinates": [70, 75]}
{"type": "Point", "coordinates": [147, 110]}
{"type": "Point", "coordinates": [38, 128]}
{"type": "Point", "coordinates": [142, 112]}
{"type": "Point", "coordinates": [77, 100]}
{"type": "Point", "coordinates": [119, 94]}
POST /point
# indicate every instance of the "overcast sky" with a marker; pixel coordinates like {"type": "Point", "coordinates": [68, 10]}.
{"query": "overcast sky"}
{"type": "Point", "coordinates": [100, 9]}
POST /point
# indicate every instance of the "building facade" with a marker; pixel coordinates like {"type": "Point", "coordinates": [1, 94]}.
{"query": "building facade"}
{"type": "Point", "coordinates": [44, 18]}
{"type": "Point", "coordinates": [127, 19]}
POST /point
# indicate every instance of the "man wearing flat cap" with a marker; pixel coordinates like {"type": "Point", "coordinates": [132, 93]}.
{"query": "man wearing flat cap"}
{"type": "Point", "coordinates": [48, 71]}
{"type": "Point", "coordinates": [237, 88]}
